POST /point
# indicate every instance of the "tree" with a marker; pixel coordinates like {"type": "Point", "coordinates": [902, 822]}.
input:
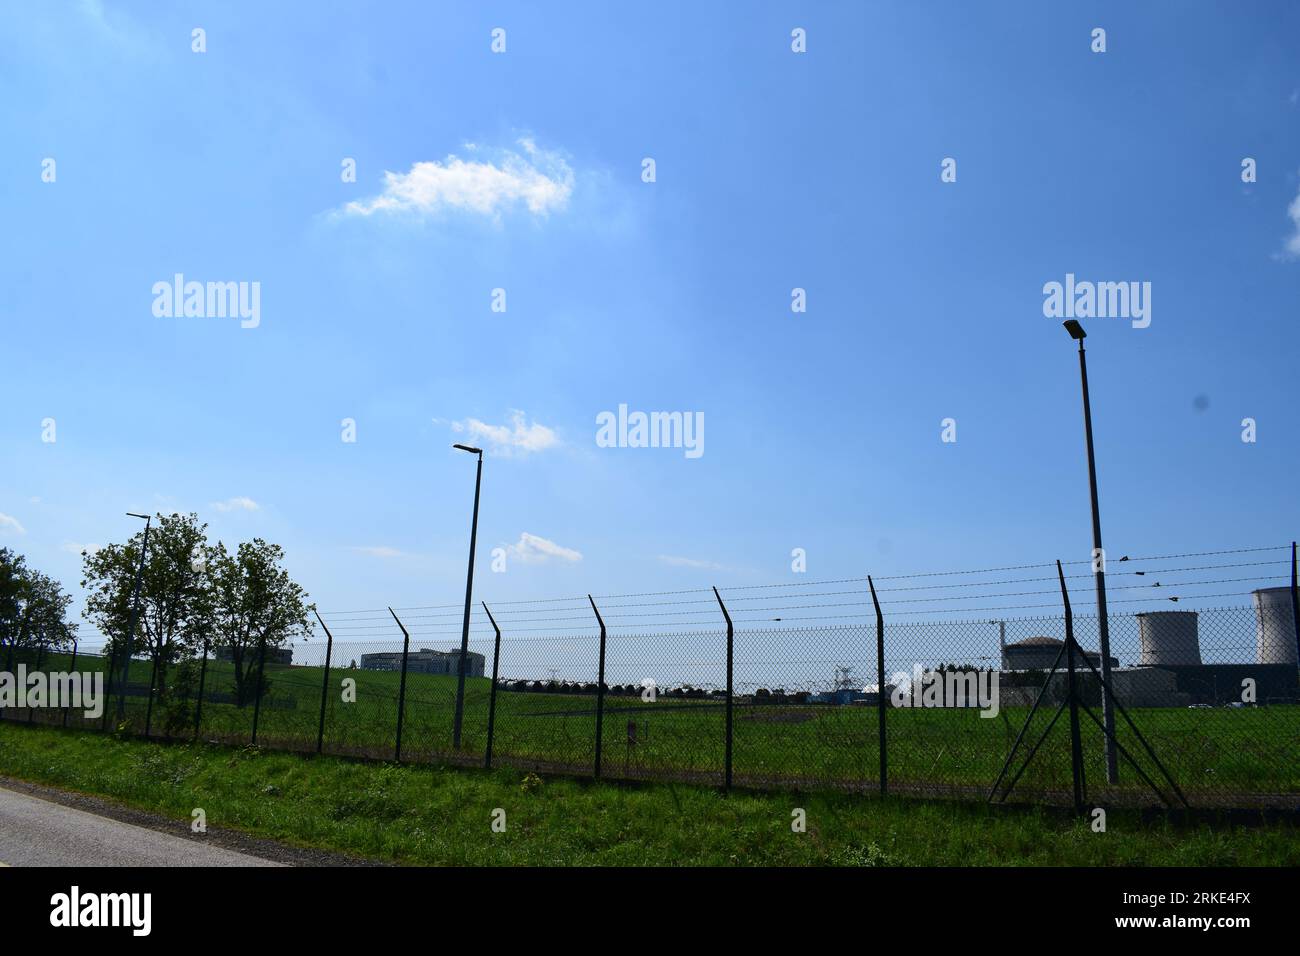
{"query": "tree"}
{"type": "Point", "coordinates": [255, 604]}
{"type": "Point", "coordinates": [33, 608]}
{"type": "Point", "coordinates": [171, 589]}
{"type": "Point", "coordinates": [13, 577]}
{"type": "Point", "coordinates": [48, 624]}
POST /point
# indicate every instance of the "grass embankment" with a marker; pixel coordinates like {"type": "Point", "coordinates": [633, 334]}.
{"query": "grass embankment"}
{"type": "Point", "coordinates": [433, 815]}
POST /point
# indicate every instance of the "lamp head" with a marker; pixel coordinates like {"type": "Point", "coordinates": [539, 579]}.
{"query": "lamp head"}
{"type": "Point", "coordinates": [469, 448]}
{"type": "Point", "coordinates": [1075, 329]}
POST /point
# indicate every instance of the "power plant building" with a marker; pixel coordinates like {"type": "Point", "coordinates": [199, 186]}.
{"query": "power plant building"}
{"type": "Point", "coordinates": [1169, 637]}
{"type": "Point", "coordinates": [1039, 654]}
{"type": "Point", "coordinates": [425, 661]}
{"type": "Point", "coordinates": [1170, 671]}
{"type": "Point", "coordinates": [1275, 639]}
{"type": "Point", "coordinates": [274, 655]}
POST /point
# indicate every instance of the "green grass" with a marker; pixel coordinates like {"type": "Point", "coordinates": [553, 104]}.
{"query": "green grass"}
{"type": "Point", "coordinates": [426, 814]}
{"type": "Point", "coordinates": [1219, 756]}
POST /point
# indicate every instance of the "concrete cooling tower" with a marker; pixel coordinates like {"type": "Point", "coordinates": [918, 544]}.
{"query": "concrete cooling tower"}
{"type": "Point", "coordinates": [1169, 637]}
{"type": "Point", "coordinates": [1274, 626]}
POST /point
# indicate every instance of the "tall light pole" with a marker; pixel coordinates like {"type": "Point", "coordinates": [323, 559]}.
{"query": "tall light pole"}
{"type": "Point", "coordinates": [1099, 563]}
{"type": "Point", "coordinates": [469, 594]}
{"type": "Point", "coordinates": [135, 615]}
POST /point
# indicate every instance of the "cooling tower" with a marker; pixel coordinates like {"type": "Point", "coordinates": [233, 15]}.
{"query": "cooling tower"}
{"type": "Point", "coordinates": [1274, 626]}
{"type": "Point", "coordinates": [1169, 637]}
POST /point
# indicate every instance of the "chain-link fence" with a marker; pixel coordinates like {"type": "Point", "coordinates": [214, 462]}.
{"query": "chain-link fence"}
{"type": "Point", "coordinates": [1203, 704]}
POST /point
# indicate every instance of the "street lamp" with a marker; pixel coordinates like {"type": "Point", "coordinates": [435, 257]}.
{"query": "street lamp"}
{"type": "Point", "coordinates": [469, 594]}
{"type": "Point", "coordinates": [135, 614]}
{"type": "Point", "coordinates": [1107, 705]}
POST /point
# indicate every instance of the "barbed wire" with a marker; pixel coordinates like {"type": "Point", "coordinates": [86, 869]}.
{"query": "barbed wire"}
{"type": "Point", "coordinates": [529, 608]}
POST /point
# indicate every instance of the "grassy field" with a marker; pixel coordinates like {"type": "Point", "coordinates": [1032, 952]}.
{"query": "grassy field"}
{"type": "Point", "coordinates": [1218, 757]}
{"type": "Point", "coordinates": [433, 815]}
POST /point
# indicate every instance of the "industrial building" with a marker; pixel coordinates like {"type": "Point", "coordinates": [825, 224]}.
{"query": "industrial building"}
{"type": "Point", "coordinates": [1275, 640]}
{"type": "Point", "coordinates": [1039, 654]}
{"type": "Point", "coordinates": [425, 661]}
{"type": "Point", "coordinates": [274, 655]}
{"type": "Point", "coordinates": [1169, 638]}
{"type": "Point", "coordinates": [1171, 671]}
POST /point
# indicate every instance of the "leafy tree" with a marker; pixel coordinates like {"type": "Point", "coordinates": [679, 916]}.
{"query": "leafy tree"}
{"type": "Point", "coordinates": [171, 590]}
{"type": "Point", "coordinates": [254, 602]}
{"type": "Point", "coordinates": [13, 583]}
{"type": "Point", "coordinates": [33, 608]}
{"type": "Point", "coordinates": [48, 624]}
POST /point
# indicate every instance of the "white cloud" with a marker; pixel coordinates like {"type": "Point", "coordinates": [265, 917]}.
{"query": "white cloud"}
{"type": "Point", "coordinates": [239, 503]}
{"type": "Point", "coordinates": [73, 548]}
{"type": "Point", "coordinates": [534, 550]}
{"type": "Point", "coordinates": [678, 562]}
{"type": "Point", "coordinates": [1293, 241]}
{"type": "Point", "coordinates": [539, 179]}
{"type": "Point", "coordinates": [506, 439]}
{"type": "Point", "coordinates": [9, 523]}
{"type": "Point", "coordinates": [381, 551]}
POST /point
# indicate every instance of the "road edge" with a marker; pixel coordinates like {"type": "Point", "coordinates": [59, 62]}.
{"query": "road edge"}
{"type": "Point", "coordinates": [228, 839]}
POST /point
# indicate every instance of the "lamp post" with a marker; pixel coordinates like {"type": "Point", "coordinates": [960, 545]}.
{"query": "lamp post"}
{"type": "Point", "coordinates": [1099, 563]}
{"type": "Point", "coordinates": [469, 594]}
{"type": "Point", "coordinates": [135, 615]}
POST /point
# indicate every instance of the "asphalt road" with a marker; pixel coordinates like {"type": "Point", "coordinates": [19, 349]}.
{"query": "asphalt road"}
{"type": "Point", "coordinates": [36, 832]}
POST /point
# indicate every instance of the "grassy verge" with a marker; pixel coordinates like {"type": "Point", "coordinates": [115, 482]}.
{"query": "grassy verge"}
{"type": "Point", "coordinates": [432, 815]}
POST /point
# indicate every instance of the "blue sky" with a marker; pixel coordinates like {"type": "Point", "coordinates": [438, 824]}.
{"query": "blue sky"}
{"type": "Point", "coordinates": [774, 170]}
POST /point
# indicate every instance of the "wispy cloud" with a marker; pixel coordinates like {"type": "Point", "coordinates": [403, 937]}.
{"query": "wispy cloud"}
{"type": "Point", "coordinates": [381, 551]}
{"type": "Point", "coordinates": [679, 562]}
{"type": "Point", "coordinates": [10, 523]}
{"type": "Point", "coordinates": [239, 503]}
{"type": "Point", "coordinates": [113, 27]}
{"type": "Point", "coordinates": [1292, 248]}
{"type": "Point", "coordinates": [518, 436]}
{"type": "Point", "coordinates": [534, 550]}
{"type": "Point", "coordinates": [73, 548]}
{"type": "Point", "coordinates": [537, 179]}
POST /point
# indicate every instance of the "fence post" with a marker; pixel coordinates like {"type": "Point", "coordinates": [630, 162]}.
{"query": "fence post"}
{"type": "Point", "coordinates": [13, 642]}
{"type": "Point", "coordinates": [153, 677]}
{"type": "Point", "coordinates": [72, 667]}
{"type": "Point", "coordinates": [401, 692]}
{"type": "Point", "coordinates": [1295, 602]}
{"type": "Point", "coordinates": [110, 662]}
{"type": "Point", "coordinates": [600, 686]}
{"type": "Point", "coordinates": [880, 689]}
{"type": "Point", "coordinates": [325, 682]}
{"type": "Point", "coordinates": [730, 642]}
{"type": "Point", "coordinates": [1076, 745]}
{"type": "Point", "coordinates": [15, 639]}
{"type": "Point", "coordinates": [40, 654]}
{"type": "Point", "coordinates": [261, 667]}
{"type": "Point", "coordinates": [492, 694]}
{"type": "Point", "coordinates": [9, 658]}
{"type": "Point", "coordinates": [203, 679]}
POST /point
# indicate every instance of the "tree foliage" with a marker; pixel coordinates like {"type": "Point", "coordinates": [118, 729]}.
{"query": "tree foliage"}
{"type": "Point", "coordinates": [33, 607]}
{"type": "Point", "coordinates": [254, 604]}
{"type": "Point", "coordinates": [172, 583]}
{"type": "Point", "coordinates": [194, 598]}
